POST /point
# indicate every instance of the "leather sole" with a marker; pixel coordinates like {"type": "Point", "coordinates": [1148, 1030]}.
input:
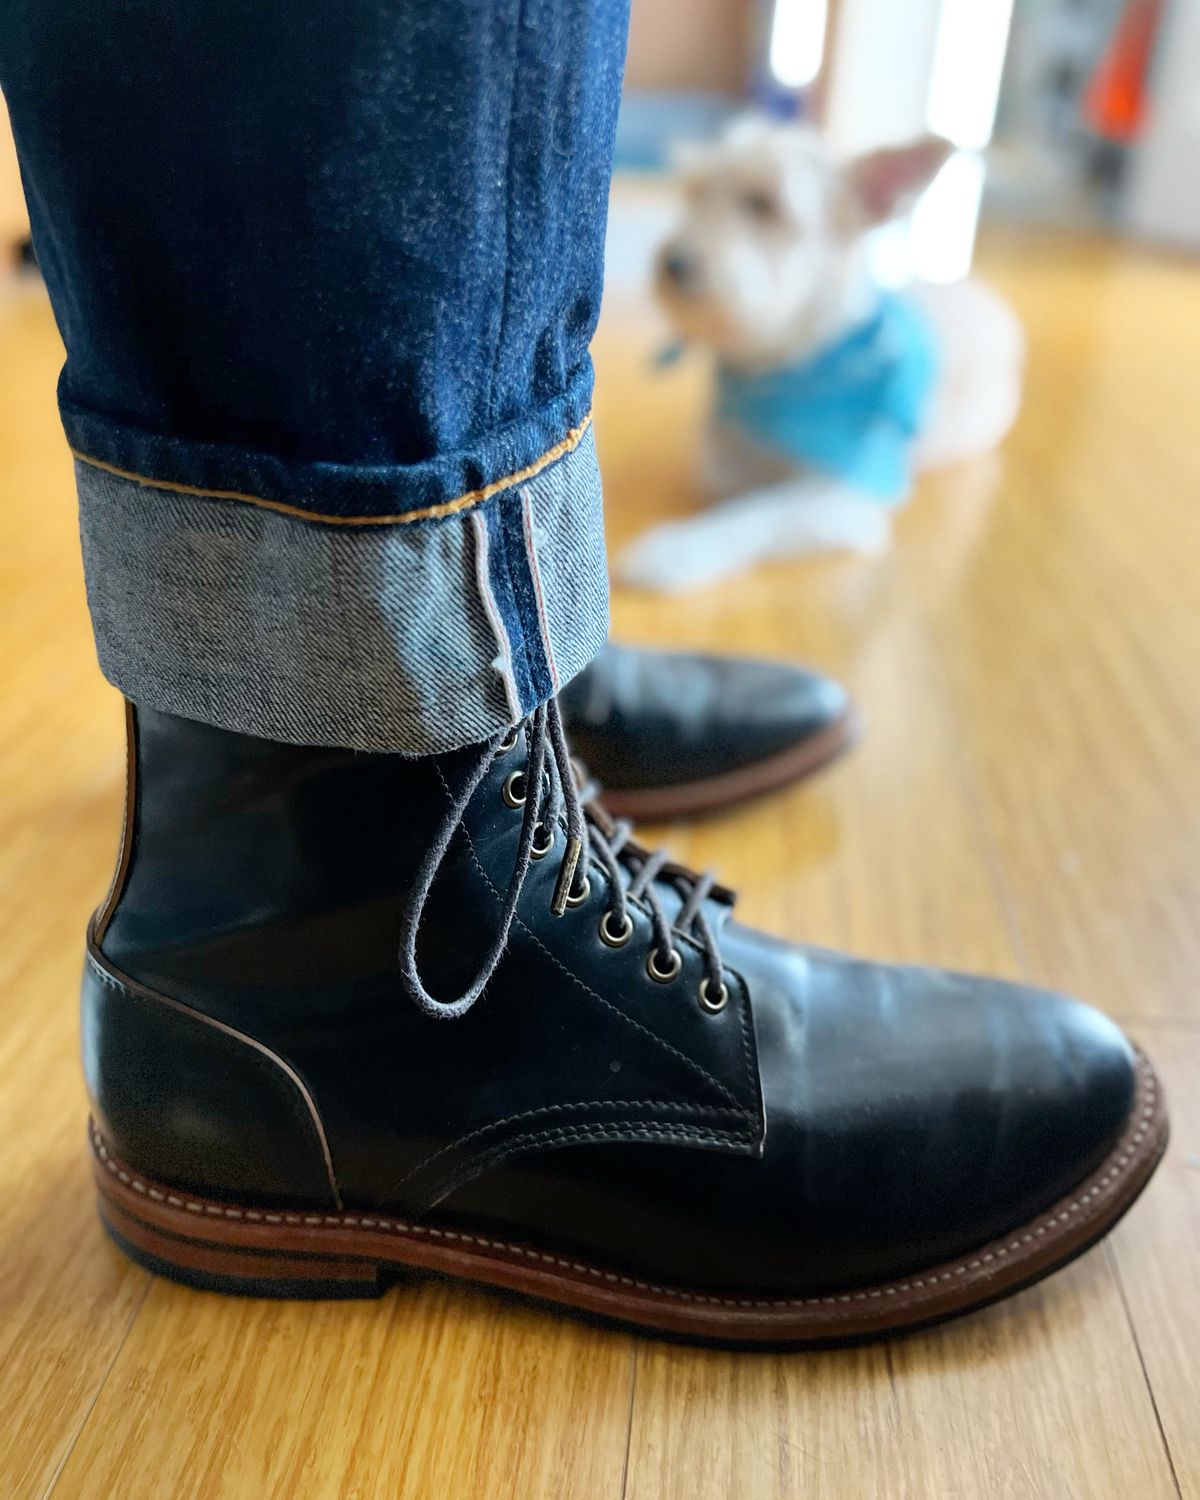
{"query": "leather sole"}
{"type": "Point", "coordinates": [711, 794]}
{"type": "Point", "coordinates": [271, 1252]}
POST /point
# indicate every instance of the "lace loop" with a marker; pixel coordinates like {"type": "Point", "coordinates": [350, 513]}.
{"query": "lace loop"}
{"type": "Point", "coordinates": [550, 788]}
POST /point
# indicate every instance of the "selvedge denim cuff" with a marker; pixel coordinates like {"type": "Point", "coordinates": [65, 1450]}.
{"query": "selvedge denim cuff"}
{"type": "Point", "coordinates": [371, 609]}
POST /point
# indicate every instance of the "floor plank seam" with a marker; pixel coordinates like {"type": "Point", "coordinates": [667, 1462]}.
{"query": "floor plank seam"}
{"type": "Point", "coordinates": [633, 1368]}
{"type": "Point", "coordinates": [1115, 1266]}
{"type": "Point", "coordinates": [98, 1392]}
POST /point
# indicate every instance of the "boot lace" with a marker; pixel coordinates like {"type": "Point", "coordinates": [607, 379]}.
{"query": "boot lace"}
{"type": "Point", "coordinates": [550, 796]}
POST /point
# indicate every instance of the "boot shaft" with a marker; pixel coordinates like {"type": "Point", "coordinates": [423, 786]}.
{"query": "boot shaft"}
{"type": "Point", "coordinates": [231, 840]}
{"type": "Point", "coordinates": [244, 982]}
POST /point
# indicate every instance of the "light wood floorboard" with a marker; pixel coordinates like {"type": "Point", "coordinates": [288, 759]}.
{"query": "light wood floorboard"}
{"type": "Point", "coordinates": [1025, 800]}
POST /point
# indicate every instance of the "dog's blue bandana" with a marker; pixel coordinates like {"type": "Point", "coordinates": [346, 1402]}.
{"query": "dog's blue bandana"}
{"type": "Point", "coordinates": [853, 409]}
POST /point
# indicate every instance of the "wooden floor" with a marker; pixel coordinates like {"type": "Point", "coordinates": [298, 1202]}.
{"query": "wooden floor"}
{"type": "Point", "coordinates": [1027, 801]}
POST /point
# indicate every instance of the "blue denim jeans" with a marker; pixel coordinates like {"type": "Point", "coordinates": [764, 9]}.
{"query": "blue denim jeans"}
{"type": "Point", "coordinates": [326, 276]}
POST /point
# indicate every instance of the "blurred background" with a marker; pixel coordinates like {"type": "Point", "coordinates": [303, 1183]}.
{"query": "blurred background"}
{"type": "Point", "coordinates": [1072, 113]}
{"type": "Point", "coordinates": [1025, 801]}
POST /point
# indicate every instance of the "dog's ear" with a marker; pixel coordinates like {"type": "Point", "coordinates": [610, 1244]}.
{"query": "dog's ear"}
{"type": "Point", "coordinates": [878, 185]}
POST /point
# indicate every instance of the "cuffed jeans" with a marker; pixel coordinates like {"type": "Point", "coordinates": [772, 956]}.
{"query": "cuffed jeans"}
{"type": "Point", "coordinates": [326, 275]}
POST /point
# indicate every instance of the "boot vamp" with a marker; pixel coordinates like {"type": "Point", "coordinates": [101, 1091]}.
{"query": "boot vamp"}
{"type": "Point", "coordinates": [912, 1115]}
{"type": "Point", "coordinates": [642, 718]}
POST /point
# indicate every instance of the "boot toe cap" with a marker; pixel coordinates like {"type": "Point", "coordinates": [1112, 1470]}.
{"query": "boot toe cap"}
{"type": "Point", "coordinates": [915, 1113]}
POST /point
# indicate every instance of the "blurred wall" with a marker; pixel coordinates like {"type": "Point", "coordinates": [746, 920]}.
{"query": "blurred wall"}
{"type": "Point", "coordinates": [690, 44]}
{"type": "Point", "coordinates": [878, 72]}
{"type": "Point", "coordinates": [14, 225]}
{"type": "Point", "coordinates": [1165, 198]}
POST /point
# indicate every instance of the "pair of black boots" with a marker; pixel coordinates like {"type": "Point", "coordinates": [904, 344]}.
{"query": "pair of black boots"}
{"type": "Point", "coordinates": [347, 1017]}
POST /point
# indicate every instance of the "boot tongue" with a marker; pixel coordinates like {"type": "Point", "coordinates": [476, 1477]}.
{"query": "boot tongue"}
{"type": "Point", "coordinates": [671, 877]}
{"type": "Point", "coordinates": [672, 881]}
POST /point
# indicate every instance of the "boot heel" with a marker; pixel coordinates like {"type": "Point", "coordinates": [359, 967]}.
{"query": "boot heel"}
{"type": "Point", "coordinates": [196, 1242]}
{"type": "Point", "coordinates": [240, 1272]}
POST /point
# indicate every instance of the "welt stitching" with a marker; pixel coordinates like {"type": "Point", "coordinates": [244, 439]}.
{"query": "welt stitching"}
{"type": "Point", "coordinates": [587, 989]}
{"type": "Point", "coordinates": [280, 1083]}
{"type": "Point", "coordinates": [927, 1285]}
{"type": "Point", "coordinates": [462, 502]}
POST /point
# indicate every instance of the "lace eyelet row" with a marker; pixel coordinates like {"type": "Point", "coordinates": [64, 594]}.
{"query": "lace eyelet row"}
{"type": "Point", "coordinates": [662, 971]}
{"type": "Point", "coordinates": [618, 937]}
{"type": "Point", "coordinates": [716, 1004]}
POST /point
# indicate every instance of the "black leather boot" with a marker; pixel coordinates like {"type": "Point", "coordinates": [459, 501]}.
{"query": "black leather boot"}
{"type": "Point", "coordinates": [673, 734]}
{"type": "Point", "coordinates": [315, 1063]}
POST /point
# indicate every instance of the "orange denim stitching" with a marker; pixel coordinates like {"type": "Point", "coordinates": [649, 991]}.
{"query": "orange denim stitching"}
{"type": "Point", "coordinates": [425, 513]}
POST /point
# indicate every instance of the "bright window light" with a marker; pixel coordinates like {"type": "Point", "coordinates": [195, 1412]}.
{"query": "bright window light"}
{"type": "Point", "coordinates": [797, 41]}
{"type": "Point", "coordinates": [942, 237]}
{"type": "Point", "coordinates": [968, 59]}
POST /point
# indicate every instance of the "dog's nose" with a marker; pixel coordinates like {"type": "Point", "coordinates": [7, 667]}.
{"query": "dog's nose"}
{"type": "Point", "coordinates": [678, 266]}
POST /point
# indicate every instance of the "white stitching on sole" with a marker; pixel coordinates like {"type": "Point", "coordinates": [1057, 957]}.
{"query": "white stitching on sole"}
{"type": "Point", "coordinates": [1099, 1189]}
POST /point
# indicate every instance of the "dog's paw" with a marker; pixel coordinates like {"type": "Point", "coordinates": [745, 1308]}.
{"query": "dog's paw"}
{"type": "Point", "coordinates": [839, 524]}
{"type": "Point", "coordinates": [769, 525]}
{"type": "Point", "coordinates": [670, 559]}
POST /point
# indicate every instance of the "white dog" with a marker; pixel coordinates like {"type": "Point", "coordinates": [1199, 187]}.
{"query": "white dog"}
{"type": "Point", "coordinates": [829, 392]}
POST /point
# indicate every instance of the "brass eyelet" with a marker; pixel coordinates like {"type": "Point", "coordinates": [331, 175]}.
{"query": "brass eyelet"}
{"type": "Point", "coordinates": [540, 851]}
{"type": "Point", "coordinates": [509, 790]}
{"type": "Point", "coordinates": [621, 936]}
{"type": "Point", "coordinates": [577, 898]}
{"type": "Point", "coordinates": [714, 1006]}
{"type": "Point", "coordinates": [509, 742]}
{"type": "Point", "coordinates": [665, 974]}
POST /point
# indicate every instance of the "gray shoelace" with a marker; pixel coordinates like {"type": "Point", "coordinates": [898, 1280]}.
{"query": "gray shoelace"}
{"type": "Point", "coordinates": [550, 797]}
